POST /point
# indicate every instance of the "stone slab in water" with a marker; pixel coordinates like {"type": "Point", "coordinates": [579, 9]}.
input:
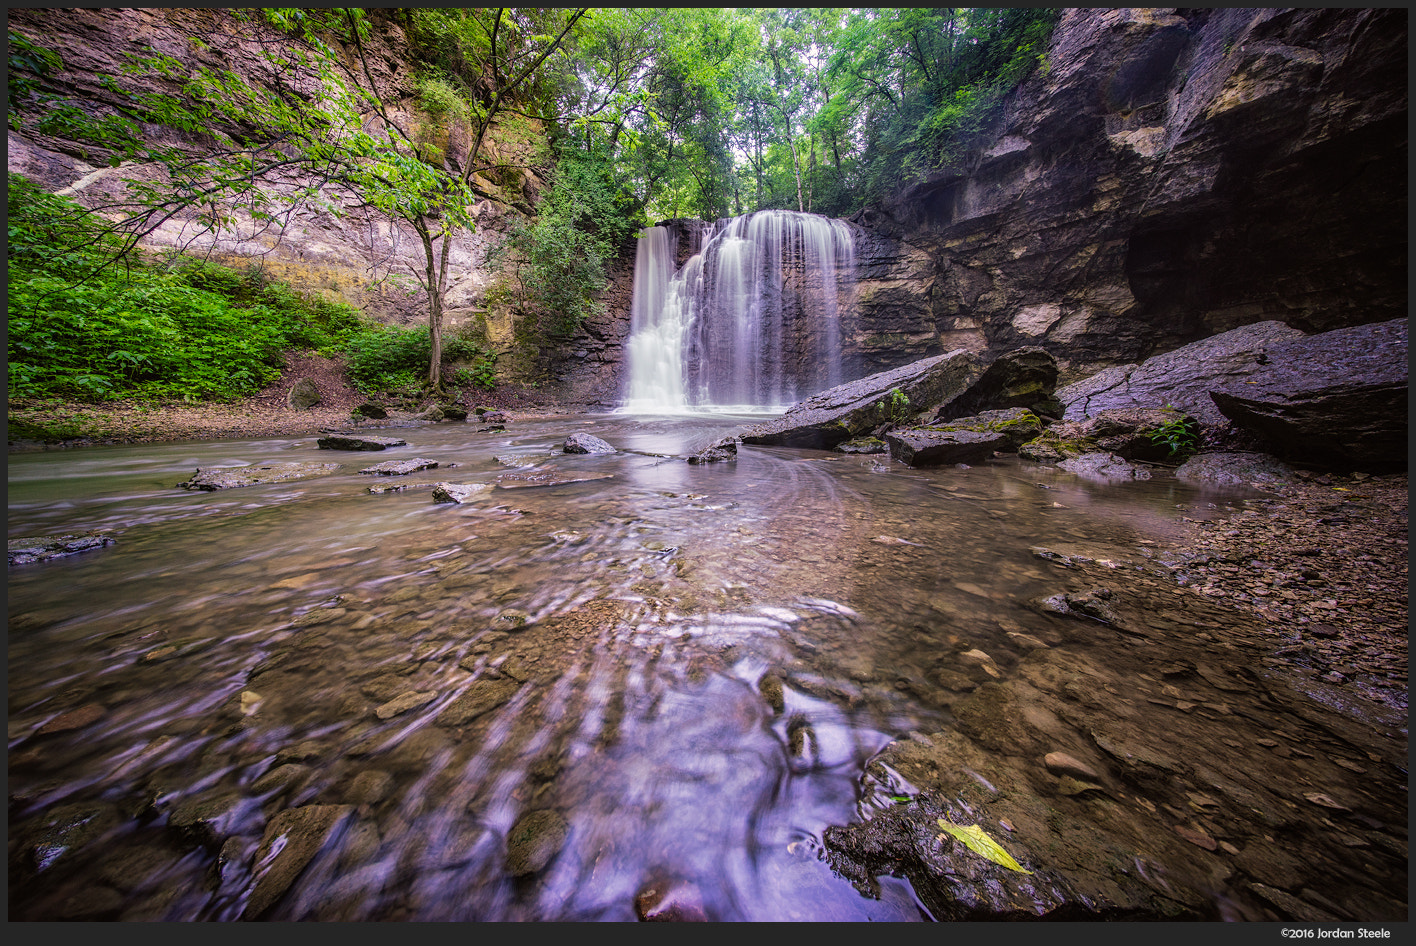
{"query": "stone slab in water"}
{"type": "Point", "coordinates": [41, 548]}
{"type": "Point", "coordinates": [353, 442]}
{"type": "Point", "coordinates": [400, 467]}
{"type": "Point", "coordinates": [849, 410]}
{"type": "Point", "coordinates": [235, 477]}
{"type": "Point", "coordinates": [923, 446]}
{"type": "Point", "coordinates": [457, 492]}
{"type": "Point", "coordinates": [547, 478]}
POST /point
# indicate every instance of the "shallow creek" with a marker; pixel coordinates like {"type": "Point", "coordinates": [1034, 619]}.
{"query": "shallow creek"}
{"type": "Point", "coordinates": [545, 703]}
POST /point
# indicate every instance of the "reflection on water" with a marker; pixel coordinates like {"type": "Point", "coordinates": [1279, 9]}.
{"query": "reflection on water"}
{"type": "Point", "coordinates": [547, 703]}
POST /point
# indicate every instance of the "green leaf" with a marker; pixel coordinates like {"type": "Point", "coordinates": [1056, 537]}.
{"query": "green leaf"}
{"type": "Point", "coordinates": [977, 840]}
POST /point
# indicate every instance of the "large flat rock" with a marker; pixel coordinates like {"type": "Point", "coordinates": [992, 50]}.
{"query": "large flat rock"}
{"type": "Point", "coordinates": [1333, 399]}
{"type": "Point", "coordinates": [356, 442]}
{"type": "Point", "coordinates": [255, 475]}
{"type": "Point", "coordinates": [922, 446]}
{"type": "Point", "coordinates": [848, 410]}
{"type": "Point", "coordinates": [1182, 378]}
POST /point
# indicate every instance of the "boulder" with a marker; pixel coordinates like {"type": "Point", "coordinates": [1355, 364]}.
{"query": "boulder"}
{"type": "Point", "coordinates": [534, 841]}
{"type": "Point", "coordinates": [453, 412]}
{"type": "Point", "coordinates": [255, 475]}
{"type": "Point", "coordinates": [725, 449]}
{"type": "Point", "coordinates": [355, 442]}
{"type": "Point", "coordinates": [1104, 466]}
{"type": "Point", "coordinates": [586, 443]}
{"type": "Point", "coordinates": [1133, 433]}
{"type": "Point", "coordinates": [371, 410]}
{"type": "Point", "coordinates": [304, 394]}
{"type": "Point", "coordinates": [1018, 424]}
{"type": "Point", "coordinates": [1183, 378]}
{"type": "Point", "coordinates": [1234, 469]}
{"type": "Point", "coordinates": [1023, 378]}
{"type": "Point", "coordinates": [1336, 399]}
{"type": "Point", "coordinates": [926, 446]}
{"type": "Point", "coordinates": [495, 417]}
{"type": "Point", "coordinates": [848, 410]}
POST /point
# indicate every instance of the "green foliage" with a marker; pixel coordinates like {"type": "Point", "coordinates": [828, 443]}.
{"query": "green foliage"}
{"type": "Point", "coordinates": [895, 407]}
{"type": "Point", "coordinates": [192, 330]}
{"type": "Point", "coordinates": [392, 359]}
{"type": "Point", "coordinates": [583, 222]}
{"type": "Point", "coordinates": [1181, 435]}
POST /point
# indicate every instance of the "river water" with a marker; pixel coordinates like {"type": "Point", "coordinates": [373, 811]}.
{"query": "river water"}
{"type": "Point", "coordinates": [538, 705]}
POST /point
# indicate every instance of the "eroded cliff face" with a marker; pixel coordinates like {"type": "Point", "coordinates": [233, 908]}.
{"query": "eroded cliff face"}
{"type": "Point", "coordinates": [1170, 174]}
{"type": "Point", "coordinates": [363, 258]}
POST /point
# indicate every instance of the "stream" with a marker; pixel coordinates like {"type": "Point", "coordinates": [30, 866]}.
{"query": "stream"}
{"type": "Point", "coordinates": [551, 702]}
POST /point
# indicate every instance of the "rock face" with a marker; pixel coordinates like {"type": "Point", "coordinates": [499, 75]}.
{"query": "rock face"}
{"type": "Point", "coordinates": [848, 410]}
{"type": "Point", "coordinates": [1335, 399]}
{"type": "Point", "coordinates": [1171, 175]}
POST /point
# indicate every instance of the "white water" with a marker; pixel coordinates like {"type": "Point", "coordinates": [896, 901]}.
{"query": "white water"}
{"type": "Point", "coordinates": [751, 322]}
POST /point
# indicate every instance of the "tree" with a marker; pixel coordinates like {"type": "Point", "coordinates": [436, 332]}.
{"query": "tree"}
{"type": "Point", "coordinates": [258, 154]}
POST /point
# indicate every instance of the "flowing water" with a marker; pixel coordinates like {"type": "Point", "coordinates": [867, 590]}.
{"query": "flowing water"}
{"type": "Point", "coordinates": [593, 651]}
{"type": "Point", "coordinates": [752, 319]}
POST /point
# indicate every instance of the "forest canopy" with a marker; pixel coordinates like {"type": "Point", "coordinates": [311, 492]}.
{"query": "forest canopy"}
{"type": "Point", "coordinates": [711, 112]}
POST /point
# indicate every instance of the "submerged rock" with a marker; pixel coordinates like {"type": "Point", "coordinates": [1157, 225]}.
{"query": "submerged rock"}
{"type": "Point", "coordinates": [534, 841]}
{"type": "Point", "coordinates": [41, 548]}
{"type": "Point", "coordinates": [292, 839]}
{"type": "Point", "coordinates": [235, 477]}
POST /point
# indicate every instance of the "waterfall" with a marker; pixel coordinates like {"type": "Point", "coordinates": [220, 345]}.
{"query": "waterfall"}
{"type": "Point", "coordinates": [751, 321]}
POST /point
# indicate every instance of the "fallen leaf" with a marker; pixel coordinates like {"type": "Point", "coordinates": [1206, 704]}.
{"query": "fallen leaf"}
{"type": "Point", "coordinates": [977, 840]}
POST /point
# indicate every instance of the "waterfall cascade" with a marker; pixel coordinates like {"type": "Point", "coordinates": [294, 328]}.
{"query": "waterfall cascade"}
{"type": "Point", "coordinates": [752, 321]}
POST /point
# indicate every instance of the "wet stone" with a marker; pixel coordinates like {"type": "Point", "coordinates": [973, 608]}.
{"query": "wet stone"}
{"type": "Point", "coordinates": [354, 442]}
{"type": "Point", "coordinates": [405, 702]}
{"type": "Point", "coordinates": [481, 697]}
{"type": "Point", "coordinates": [400, 467]}
{"type": "Point", "coordinates": [45, 547]}
{"type": "Point", "coordinates": [292, 839]}
{"type": "Point", "coordinates": [236, 477]}
{"type": "Point", "coordinates": [534, 841]}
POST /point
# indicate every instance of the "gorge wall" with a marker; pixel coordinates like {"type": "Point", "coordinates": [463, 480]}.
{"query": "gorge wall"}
{"type": "Point", "coordinates": [1166, 175]}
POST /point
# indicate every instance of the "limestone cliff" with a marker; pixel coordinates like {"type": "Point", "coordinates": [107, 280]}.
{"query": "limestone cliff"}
{"type": "Point", "coordinates": [1166, 175]}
